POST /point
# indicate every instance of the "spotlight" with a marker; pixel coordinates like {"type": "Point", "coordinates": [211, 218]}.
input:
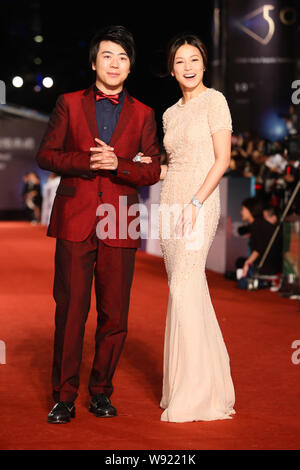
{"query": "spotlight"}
{"type": "Point", "coordinates": [38, 38]}
{"type": "Point", "coordinates": [17, 82]}
{"type": "Point", "coordinates": [48, 82]}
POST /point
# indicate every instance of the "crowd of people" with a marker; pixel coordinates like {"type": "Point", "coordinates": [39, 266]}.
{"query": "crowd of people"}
{"type": "Point", "coordinates": [275, 165]}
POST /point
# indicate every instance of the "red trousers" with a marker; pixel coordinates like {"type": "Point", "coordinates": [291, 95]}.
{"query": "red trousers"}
{"type": "Point", "coordinates": [75, 264]}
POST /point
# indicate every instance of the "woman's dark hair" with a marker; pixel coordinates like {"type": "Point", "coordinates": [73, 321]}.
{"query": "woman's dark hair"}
{"type": "Point", "coordinates": [254, 205]}
{"type": "Point", "coordinates": [117, 34]}
{"type": "Point", "coordinates": [180, 40]}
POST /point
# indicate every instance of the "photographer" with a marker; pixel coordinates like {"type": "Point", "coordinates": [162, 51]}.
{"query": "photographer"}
{"type": "Point", "coordinates": [32, 196]}
{"type": "Point", "coordinates": [260, 228]}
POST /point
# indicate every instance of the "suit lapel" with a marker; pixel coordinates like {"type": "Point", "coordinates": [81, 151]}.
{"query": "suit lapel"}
{"type": "Point", "coordinates": [124, 118]}
{"type": "Point", "coordinates": [88, 104]}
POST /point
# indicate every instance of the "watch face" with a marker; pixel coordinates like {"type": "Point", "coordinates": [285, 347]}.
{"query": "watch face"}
{"type": "Point", "coordinates": [196, 202]}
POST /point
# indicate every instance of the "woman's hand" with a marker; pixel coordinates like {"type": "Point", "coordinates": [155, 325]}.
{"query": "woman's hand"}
{"type": "Point", "coordinates": [144, 159]}
{"type": "Point", "coordinates": [163, 171]}
{"type": "Point", "coordinates": [147, 160]}
{"type": "Point", "coordinates": [163, 168]}
{"type": "Point", "coordinates": [187, 220]}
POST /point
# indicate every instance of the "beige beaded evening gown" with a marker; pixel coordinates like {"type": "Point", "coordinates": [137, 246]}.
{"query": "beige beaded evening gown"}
{"type": "Point", "coordinates": [197, 382]}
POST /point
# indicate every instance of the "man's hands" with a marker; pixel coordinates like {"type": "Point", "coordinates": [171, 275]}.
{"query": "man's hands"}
{"type": "Point", "coordinates": [245, 269]}
{"type": "Point", "coordinates": [103, 157]}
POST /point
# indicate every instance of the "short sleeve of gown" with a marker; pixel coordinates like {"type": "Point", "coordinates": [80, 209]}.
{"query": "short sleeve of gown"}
{"type": "Point", "coordinates": [219, 116]}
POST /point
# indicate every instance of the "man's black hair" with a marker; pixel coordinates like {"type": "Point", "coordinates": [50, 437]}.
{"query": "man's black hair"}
{"type": "Point", "coordinates": [254, 205]}
{"type": "Point", "coordinates": [117, 34]}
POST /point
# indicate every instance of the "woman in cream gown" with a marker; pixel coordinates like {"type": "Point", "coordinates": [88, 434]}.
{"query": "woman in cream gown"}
{"type": "Point", "coordinates": [197, 382]}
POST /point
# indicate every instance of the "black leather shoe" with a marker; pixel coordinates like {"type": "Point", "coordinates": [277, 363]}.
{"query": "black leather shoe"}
{"type": "Point", "coordinates": [100, 406]}
{"type": "Point", "coordinates": [62, 412]}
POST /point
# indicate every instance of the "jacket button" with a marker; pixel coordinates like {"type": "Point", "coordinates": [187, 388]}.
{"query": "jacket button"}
{"type": "Point", "coordinates": [100, 194]}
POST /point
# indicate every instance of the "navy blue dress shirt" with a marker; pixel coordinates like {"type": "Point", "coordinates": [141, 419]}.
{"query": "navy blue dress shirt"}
{"type": "Point", "coordinates": [107, 114]}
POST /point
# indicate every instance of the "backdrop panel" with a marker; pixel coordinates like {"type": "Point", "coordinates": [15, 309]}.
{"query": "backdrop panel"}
{"type": "Point", "coordinates": [20, 136]}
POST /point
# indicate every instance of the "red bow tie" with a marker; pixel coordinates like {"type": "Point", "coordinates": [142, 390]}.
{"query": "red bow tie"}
{"type": "Point", "coordinates": [102, 96]}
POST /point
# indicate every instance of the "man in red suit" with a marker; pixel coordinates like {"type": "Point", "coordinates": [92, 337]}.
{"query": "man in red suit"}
{"type": "Point", "coordinates": [91, 140]}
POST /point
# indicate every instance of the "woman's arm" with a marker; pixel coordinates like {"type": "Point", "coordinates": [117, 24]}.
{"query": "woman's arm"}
{"type": "Point", "coordinates": [222, 150]}
{"type": "Point", "coordinates": [222, 147]}
{"type": "Point", "coordinates": [147, 160]}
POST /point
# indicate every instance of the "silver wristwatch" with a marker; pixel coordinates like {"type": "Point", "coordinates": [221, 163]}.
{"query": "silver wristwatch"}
{"type": "Point", "coordinates": [196, 202]}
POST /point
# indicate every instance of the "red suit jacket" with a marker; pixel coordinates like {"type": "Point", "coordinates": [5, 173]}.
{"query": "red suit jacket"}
{"type": "Point", "coordinates": [65, 150]}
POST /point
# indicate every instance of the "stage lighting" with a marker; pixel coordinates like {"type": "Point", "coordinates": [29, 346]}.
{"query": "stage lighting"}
{"type": "Point", "coordinates": [48, 82]}
{"type": "Point", "coordinates": [17, 82]}
{"type": "Point", "coordinates": [38, 38]}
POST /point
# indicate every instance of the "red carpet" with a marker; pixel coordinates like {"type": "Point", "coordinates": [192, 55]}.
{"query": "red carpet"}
{"type": "Point", "coordinates": [258, 327]}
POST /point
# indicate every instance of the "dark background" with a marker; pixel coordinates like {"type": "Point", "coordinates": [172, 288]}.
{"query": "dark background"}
{"type": "Point", "coordinates": [67, 28]}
